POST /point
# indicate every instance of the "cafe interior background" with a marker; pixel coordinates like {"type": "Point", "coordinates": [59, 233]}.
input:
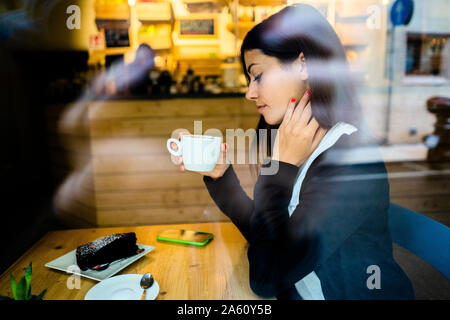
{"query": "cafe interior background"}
{"type": "Point", "coordinates": [82, 150]}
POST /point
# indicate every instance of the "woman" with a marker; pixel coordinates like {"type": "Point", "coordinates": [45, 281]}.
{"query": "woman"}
{"type": "Point", "coordinates": [317, 227]}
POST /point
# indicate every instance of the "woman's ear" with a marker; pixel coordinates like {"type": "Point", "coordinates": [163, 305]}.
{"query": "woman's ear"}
{"type": "Point", "coordinates": [301, 64]}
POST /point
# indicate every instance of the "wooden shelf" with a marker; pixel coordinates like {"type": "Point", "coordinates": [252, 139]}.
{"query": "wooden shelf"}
{"type": "Point", "coordinates": [156, 42]}
{"type": "Point", "coordinates": [112, 51]}
{"type": "Point", "coordinates": [158, 36]}
{"type": "Point", "coordinates": [243, 27]}
{"type": "Point", "coordinates": [262, 3]}
{"type": "Point", "coordinates": [197, 52]}
{"type": "Point", "coordinates": [112, 12]}
{"type": "Point", "coordinates": [154, 12]}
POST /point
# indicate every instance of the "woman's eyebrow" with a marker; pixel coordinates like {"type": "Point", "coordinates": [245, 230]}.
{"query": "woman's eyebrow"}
{"type": "Point", "coordinates": [251, 65]}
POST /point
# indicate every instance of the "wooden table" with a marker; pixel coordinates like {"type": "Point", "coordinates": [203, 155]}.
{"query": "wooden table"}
{"type": "Point", "coordinates": [219, 270]}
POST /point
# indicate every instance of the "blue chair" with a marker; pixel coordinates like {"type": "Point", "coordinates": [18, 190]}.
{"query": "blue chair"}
{"type": "Point", "coordinates": [426, 238]}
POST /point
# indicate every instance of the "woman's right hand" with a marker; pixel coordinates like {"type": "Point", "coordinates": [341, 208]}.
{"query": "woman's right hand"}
{"type": "Point", "coordinates": [221, 166]}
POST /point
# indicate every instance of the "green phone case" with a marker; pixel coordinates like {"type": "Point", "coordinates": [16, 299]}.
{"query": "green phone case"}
{"type": "Point", "coordinates": [195, 243]}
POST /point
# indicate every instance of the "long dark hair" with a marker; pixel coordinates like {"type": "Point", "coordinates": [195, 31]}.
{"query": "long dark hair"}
{"type": "Point", "coordinates": [302, 28]}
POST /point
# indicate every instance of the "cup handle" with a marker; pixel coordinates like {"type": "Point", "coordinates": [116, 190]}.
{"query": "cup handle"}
{"type": "Point", "coordinates": [173, 152]}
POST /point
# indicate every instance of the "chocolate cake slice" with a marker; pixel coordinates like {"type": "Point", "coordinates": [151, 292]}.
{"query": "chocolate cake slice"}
{"type": "Point", "coordinates": [105, 250]}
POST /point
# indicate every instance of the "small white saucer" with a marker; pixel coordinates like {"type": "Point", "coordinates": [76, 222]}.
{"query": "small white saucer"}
{"type": "Point", "coordinates": [122, 287]}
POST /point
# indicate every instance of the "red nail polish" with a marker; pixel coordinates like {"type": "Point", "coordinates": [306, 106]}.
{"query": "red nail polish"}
{"type": "Point", "coordinates": [308, 92]}
{"type": "Point", "coordinates": [292, 100]}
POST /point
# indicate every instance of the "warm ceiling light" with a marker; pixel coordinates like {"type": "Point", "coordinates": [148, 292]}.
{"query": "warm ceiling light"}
{"type": "Point", "coordinates": [131, 2]}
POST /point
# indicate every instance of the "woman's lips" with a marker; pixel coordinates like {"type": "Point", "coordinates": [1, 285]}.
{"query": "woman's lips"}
{"type": "Point", "coordinates": [261, 108]}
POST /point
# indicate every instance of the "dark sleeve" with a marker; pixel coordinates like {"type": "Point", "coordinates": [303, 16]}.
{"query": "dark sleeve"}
{"type": "Point", "coordinates": [277, 248]}
{"type": "Point", "coordinates": [333, 204]}
{"type": "Point", "coordinates": [231, 199]}
{"type": "Point", "coordinates": [282, 248]}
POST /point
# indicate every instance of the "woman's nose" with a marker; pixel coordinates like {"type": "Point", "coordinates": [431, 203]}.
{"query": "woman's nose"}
{"type": "Point", "coordinates": [252, 93]}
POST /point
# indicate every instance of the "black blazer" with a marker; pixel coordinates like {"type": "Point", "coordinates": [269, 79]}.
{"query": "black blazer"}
{"type": "Point", "coordinates": [338, 230]}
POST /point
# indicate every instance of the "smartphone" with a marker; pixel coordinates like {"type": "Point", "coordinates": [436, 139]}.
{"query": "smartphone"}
{"type": "Point", "coordinates": [192, 237]}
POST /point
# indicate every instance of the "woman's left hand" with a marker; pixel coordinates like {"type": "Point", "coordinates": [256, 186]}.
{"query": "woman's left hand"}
{"type": "Point", "coordinates": [297, 137]}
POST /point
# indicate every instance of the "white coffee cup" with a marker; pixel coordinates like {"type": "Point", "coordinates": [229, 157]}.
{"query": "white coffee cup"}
{"type": "Point", "coordinates": [199, 152]}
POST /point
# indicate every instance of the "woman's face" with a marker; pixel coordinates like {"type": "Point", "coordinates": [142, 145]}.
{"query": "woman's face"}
{"type": "Point", "coordinates": [273, 85]}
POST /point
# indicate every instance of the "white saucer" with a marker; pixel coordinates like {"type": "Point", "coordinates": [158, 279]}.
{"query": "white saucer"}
{"type": "Point", "coordinates": [122, 287]}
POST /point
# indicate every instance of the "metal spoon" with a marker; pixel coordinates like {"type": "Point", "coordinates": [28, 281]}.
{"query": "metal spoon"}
{"type": "Point", "coordinates": [146, 282]}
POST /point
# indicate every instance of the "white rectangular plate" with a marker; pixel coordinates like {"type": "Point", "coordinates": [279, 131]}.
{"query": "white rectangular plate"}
{"type": "Point", "coordinates": [68, 263]}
